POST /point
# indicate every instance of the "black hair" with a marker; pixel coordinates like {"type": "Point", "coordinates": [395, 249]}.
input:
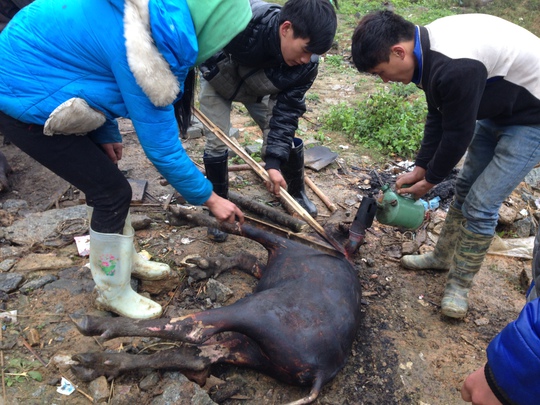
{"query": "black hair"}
{"type": "Point", "coordinates": [375, 34]}
{"type": "Point", "coordinates": [183, 106]}
{"type": "Point", "coordinates": [315, 20]}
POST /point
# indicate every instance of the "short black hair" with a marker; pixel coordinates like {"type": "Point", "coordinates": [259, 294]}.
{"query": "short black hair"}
{"type": "Point", "coordinates": [375, 34]}
{"type": "Point", "coordinates": [315, 20]}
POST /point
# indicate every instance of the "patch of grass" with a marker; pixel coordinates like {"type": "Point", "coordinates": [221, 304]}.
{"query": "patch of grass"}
{"type": "Point", "coordinates": [334, 60]}
{"type": "Point", "coordinates": [391, 120]}
{"type": "Point", "coordinates": [313, 97]}
{"type": "Point", "coordinates": [337, 64]}
{"type": "Point", "coordinates": [21, 370]}
{"type": "Point", "coordinates": [321, 137]}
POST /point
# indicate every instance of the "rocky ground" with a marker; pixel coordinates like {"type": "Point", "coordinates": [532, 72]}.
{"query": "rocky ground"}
{"type": "Point", "coordinates": [405, 351]}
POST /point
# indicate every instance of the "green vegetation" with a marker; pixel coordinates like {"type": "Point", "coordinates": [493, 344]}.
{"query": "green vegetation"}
{"type": "Point", "coordinates": [391, 120]}
{"type": "Point", "coordinates": [313, 97]}
{"type": "Point", "coordinates": [21, 370]}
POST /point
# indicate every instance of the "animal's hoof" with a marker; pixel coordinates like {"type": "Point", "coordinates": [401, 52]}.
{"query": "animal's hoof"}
{"type": "Point", "coordinates": [94, 365]}
{"type": "Point", "coordinates": [91, 326]}
{"type": "Point", "coordinates": [195, 261]}
{"type": "Point", "coordinates": [197, 267]}
{"type": "Point", "coordinates": [87, 369]}
{"type": "Point", "coordinates": [85, 374]}
{"type": "Point", "coordinates": [81, 322]}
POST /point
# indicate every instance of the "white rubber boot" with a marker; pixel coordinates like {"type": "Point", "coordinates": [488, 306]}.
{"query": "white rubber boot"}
{"type": "Point", "coordinates": [142, 269]}
{"type": "Point", "coordinates": [111, 259]}
{"type": "Point", "coordinates": [145, 269]}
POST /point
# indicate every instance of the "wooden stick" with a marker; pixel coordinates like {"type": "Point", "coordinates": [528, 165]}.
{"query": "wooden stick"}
{"type": "Point", "coordinates": [300, 237]}
{"type": "Point", "coordinates": [331, 206]}
{"type": "Point", "coordinates": [271, 213]}
{"type": "Point", "coordinates": [287, 199]}
{"type": "Point", "coordinates": [240, 168]}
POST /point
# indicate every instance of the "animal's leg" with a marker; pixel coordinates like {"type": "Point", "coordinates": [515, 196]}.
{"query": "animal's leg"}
{"type": "Point", "coordinates": [93, 365]}
{"type": "Point", "coordinates": [193, 328]}
{"type": "Point", "coordinates": [233, 348]}
{"type": "Point", "coordinates": [206, 267]}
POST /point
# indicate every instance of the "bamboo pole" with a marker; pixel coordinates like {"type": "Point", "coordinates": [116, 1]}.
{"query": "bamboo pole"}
{"type": "Point", "coordinates": [286, 198]}
{"type": "Point", "coordinates": [329, 204]}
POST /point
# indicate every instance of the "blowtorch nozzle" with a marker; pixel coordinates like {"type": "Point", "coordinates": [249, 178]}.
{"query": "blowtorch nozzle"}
{"type": "Point", "coordinates": [362, 221]}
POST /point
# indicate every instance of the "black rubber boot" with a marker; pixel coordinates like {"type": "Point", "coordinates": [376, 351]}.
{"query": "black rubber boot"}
{"type": "Point", "coordinates": [293, 172]}
{"type": "Point", "coordinates": [217, 171]}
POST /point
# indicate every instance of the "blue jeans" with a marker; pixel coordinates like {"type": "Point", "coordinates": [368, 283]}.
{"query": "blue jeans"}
{"type": "Point", "coordinates": [498, 159]}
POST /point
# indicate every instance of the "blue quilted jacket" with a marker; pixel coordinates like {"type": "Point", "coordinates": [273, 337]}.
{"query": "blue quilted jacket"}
{"type": "Point", "coordinates": [513, 367]}
{"type": "Point", "coordinates": [124, 58]}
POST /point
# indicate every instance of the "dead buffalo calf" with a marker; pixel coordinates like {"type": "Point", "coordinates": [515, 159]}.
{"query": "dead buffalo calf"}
{"type": "Point", "coordinates": [298, 326]}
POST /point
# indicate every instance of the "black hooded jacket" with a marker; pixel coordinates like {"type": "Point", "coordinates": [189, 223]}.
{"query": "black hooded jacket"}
{"type": "Point", "coordinates": [251, 66]}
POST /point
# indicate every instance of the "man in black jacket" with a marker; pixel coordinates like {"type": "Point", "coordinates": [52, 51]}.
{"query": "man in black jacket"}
{"type": "Point", "coordinates": [268, 67]}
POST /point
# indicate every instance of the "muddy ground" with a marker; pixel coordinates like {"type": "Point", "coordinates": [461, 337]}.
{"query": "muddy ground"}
{"type": "Point", "coordinates": [405, 352]}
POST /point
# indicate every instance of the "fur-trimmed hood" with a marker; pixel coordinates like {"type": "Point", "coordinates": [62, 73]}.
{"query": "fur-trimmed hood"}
{"type": "Point", "coordinates": [144, 36]}
{"type": "Point", "coordinates": [158, 48]}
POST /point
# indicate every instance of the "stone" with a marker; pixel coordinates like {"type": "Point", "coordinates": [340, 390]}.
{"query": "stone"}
{"type": "Point", "coordinates": [99, 390]}
{"type": "Point", "coordinates": [507, 215]}
{"type": "Point", "coordinates": [9, 282]}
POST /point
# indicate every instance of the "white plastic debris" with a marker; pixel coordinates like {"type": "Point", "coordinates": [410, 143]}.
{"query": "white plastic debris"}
{"type": "Point", "coordinates": [66, 388]}
{"type": "Point", "coordinates": [185, 241]}
{"type": "Point", "coordinates": [145, 255]}
{"type": "Point", "coordinates": [83, 245]}
{"type": "Point", "coordinates": [10, 316]}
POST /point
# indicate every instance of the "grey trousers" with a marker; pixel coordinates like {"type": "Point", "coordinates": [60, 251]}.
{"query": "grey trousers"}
{"type": "Point", "coordinates": [218, 110]}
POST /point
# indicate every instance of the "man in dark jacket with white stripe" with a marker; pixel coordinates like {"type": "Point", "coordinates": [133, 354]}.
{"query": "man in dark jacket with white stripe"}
{"type": "Point", "coordinates": [481, 76]}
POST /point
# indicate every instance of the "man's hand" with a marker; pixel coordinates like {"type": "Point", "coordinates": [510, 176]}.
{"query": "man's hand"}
{"type": "Point", "coordinates": [113, 151]}
{"type": "Point", "coordinates": [475, 389]}
{"type": "Point", "coordinates": [223, 209]}
{"type": "Point", "coordinates": [276, 181]}
{"type": "Point", "coordinates": [413, 183]}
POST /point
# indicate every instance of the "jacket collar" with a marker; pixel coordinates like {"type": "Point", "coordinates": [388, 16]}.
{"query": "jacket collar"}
{"type": "Point", "coordinates": [149, 67]}
{"type": "Point", "coordinates": [424, 57]}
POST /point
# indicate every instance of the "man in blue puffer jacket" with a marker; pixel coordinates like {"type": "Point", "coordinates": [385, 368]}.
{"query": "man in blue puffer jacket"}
{"type": "Point", "coordinates": [69, 69]}
{"type": "Point", "coordinates": [512, 371]}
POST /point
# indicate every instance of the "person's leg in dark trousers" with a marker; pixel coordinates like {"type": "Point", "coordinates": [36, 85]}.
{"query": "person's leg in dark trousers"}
{"type": "Point", "coordinates": [80, 162]}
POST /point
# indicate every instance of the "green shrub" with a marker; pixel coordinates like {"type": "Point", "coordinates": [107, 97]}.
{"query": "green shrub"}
{"type": "Point", "coordinates": [391, 120]}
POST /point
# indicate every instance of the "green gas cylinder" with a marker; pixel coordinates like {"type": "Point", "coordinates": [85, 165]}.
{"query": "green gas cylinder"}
{"type": "Point", "coordinates": [396, 210]}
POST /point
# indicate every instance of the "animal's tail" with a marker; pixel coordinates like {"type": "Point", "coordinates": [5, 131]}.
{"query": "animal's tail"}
{"type": "Point", "coordinates": [313, 394]}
